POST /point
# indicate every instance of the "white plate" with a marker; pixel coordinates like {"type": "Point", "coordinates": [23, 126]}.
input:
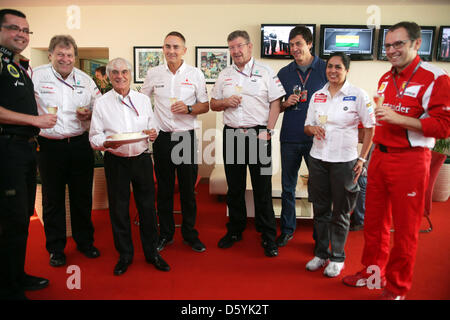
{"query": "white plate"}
{"type": "Point", "coordinates": [127, 140]}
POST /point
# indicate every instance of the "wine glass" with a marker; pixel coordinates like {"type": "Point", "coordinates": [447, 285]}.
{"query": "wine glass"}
{"type": "Point", "coordinates": [52, 109]}
{"type": "Point", "coordinates": [173, 100]}
{"type": "Point", "coordinates": [238, 90]}
{"type": "Point", "coordinates": [378, 99]}
{"type": "Point", "coordinates": [297, 91]}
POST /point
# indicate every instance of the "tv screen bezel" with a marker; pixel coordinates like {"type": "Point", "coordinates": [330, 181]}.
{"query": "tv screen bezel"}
{"type": "Point", "coordinates": [381, 57]}
{"type": "Point", "coordinates": [353, 56]}
{"type": "Point", "coordinates": [439, 43]}
{"type": "Point", "coordinates": [264, 56]}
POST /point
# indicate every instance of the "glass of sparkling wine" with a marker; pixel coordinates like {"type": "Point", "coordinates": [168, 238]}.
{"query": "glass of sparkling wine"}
{"type": "Point", "coordinates": [378, 99]}
{"type": "Point", "coordinates": [296, 90]}
{"type": "Point", "coordinates": [52, 109]}
{"type": "Point", "coordinates": [173, 100]}
{"type": "Point", "coordinates": [238, 90]}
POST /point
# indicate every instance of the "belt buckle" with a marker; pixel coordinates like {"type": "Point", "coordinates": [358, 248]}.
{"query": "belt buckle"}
{"type": "Point", "coordinates": [383, 148]}
{"type": "Point", "coordinates": [243, 130]}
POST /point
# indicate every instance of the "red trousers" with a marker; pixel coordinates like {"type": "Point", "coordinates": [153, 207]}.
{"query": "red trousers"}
{"type": "Point", "coordinates": [396, 185]}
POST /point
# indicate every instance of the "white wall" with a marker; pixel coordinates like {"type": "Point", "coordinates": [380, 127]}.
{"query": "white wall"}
{"type": "Point", "coordinates": [121, 27]}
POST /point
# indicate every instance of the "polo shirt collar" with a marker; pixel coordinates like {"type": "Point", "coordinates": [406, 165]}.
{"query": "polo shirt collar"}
{"type": "Point", "coordinates": [345, 88]}
{"type": "Point", "coordinates": [179, 70]}
{"type": "Point", "coordinates": [409, 69]}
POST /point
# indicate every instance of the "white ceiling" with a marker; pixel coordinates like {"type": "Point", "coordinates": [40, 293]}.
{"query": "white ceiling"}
{"type": "Point", "coordinates": [39, 3]}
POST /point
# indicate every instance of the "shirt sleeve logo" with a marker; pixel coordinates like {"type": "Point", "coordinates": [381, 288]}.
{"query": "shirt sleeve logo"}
{"type": "Point", "coordinates": [13, 71]}
{"type": "Point", "coordinates": [382, 87]}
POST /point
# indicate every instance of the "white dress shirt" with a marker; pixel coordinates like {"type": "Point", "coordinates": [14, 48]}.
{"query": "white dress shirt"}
{"type": "Point", "coordinates": [112, 116]}
{"type": "Point", "coordinates": [78, 90]}
{"type": "Point", "coordinates": [259, 87]}
{"type": "Point", "coordinates": [349, 106]}
{"type": "Point", "coordinates": [187, 84]}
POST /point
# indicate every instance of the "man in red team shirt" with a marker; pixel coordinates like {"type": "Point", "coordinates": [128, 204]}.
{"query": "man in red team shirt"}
{"type": "Point", "coordinates": [415, 111]}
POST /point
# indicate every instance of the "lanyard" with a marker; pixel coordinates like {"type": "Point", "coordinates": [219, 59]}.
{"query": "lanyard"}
{"type": "Point", "coordinates": [64, 82]}
{"type": "Point", "coordinates": [251, 71]}
{"type": "Point", "coordinates": [132, 105]}
{"type": "Point", "coordinates": [407, 82]}
{"type": "Point", "coordinates": [303, 82]}
{"type": "Point", "coordinates": [25, 71]}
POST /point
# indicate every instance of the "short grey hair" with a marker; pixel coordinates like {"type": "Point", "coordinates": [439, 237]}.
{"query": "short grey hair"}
{"type": "Point", "coordinates": [238, 33]}
{"type": "Point", "coordinates": [118, 62]}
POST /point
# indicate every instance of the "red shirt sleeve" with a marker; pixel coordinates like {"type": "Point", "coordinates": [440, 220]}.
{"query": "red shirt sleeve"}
{"type": "Point", "coordinates": [437, 125]}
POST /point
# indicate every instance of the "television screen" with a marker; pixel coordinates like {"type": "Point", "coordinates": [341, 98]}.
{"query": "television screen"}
{"type": "Point", "coordinates": [275, 40]}
{"type": "Point", "coordinates": [425, 50]}
{"type": "Point", "coordinates": [356, 41]}
{"type": "Point", "coordinates": [443, 49]}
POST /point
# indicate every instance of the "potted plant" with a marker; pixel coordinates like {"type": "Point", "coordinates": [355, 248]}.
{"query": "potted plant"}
{"type": "Point", "coordinates": [441, 190]}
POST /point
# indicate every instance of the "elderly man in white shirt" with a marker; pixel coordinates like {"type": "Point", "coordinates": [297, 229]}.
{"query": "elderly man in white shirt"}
{"type": "Point", "coordinates": [121, 121]}
{"type": "Point", "coordinates": [65, 156]}
{"type": "Point", "coordinates": [180, 94]}
{"type": "Point", "coordinates": [248, 92]}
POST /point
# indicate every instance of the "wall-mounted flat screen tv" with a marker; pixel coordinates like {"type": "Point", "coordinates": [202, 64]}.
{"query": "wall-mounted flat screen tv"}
{"type": "Point", "coordinates": [443, 44]}
{"type": "Point", "coordinates": [355, 40]}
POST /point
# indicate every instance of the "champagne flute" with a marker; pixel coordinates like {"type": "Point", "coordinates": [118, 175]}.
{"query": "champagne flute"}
{"type": "Point", "coordinates": [52, 109]}
{"type": "Point", "coordinates": [238, 90]}
{"type": "Point", "coordinates": [297, 91]}
{"type": "Point", "coordinates": [378, 99]}
{"type": "Point", "coordinates": [173, 100]}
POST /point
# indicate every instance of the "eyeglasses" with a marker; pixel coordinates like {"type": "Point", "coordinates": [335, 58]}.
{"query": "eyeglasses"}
{"type": "Point", "coordinates": [239, 46]}
{"type": "Point", "coordinates": [17, 29]}
{"type": "Point", "coordinates": [396, 45]}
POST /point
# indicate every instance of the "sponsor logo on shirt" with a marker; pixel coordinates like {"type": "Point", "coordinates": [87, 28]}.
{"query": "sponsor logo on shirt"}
{"type": "Point", "coordinates": [412, 91]}
{"type": "Point", "coordinates": [382, 87]}
{"type": "Point", "coordinates": [13, 71]}
{"type": "Point", "coordinates": [159, 86]}
{"type": "Point", "coordinates": [350, 98]}
{"type": "Point", "coordinates": [320, 98]}
{"type": "Point", "coordinates": [398, 108]}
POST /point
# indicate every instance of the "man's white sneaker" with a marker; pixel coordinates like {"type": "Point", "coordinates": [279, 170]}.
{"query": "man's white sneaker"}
{"type": "Point", "coordinates": [316, 263]}
{"type": "Point", "coordinates": [333, 269]}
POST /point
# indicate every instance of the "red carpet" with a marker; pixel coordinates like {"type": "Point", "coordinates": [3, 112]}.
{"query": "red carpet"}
{"type": "Point", "coordinates": [239, 273]}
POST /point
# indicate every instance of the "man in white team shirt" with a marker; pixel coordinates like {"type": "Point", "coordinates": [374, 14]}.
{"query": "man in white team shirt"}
{"type": "Point", "coordinates": [127, 161]}
{"type": "Point", "coordinates": [180, 94]}
{"type": "Point", "coordinates": [65, 156]}
{"type": "Point", "coordinates": [248, 92]}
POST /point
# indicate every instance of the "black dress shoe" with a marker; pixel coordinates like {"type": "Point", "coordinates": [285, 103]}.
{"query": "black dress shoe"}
{"type": "Point", "coordinates": [34, 283]}
{"type": "Point", "coordinates": [162, 242]}
{"type": "Point", "coordinates": [159, 263]}
{"type": "Point", "coordinates": [91, 252]}
{"type": "Point", "coordinates": [270, 249]}
{"type": "Point", "coordinates": [228, 240]}
{"type": "Point", "coordinates": [121, 267]}
{"type": "Point", "coordinates": [283, 239]}
{"type": "Point", "coordinates": [196, 245]}
{"type": "Point", "coordinates": [57, 259]}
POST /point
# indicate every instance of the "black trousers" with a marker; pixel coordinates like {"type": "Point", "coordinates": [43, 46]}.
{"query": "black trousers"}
{"type": "Point", "coordinates": [17, 197]}
{"type": "Point", "coordinates": [66, 162]}
{"type": "Point", "coordinates": [119, 173]}
{"type": "Point", "coordinates": [176, 152]}
{"type": "Point", "coordinates": [333, 195]}
{"type": "Point", "coordinates": [242, 148]}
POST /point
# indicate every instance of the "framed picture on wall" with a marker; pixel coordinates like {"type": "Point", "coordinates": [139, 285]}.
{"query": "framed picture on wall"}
{"type": "Point", "coordinates": [145, 58]}
{"type": "Point", "coordinates": [212, 60]}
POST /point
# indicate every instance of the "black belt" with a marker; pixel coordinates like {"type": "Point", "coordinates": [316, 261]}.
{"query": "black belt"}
{"type": "Point", "coordinates": [385, 149]}
{"type": "Point", "coordinates": [65, 140]}
{"type": "Point", "coordinates": [18, 137]}
{"type": "Point", "coordinates": [247, 129]}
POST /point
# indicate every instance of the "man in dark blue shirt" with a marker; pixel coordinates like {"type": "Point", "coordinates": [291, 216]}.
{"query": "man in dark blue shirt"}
{"type": "Point", "coordinates": [307, 72]}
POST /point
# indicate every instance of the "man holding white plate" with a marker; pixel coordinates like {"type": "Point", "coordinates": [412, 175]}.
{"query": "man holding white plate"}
{"type": "Point", "coordinates": [121, 125]}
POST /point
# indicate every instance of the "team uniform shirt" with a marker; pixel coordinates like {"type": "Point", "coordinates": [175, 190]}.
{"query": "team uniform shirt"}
{"type": "Point", "coordinates": [114, 114]}
{"type": "Point", "coordinates": [426, 97]}
{"type": "Point", "coordinates": [292, 129]}
{"type": "Point", "coordinates": [257, 84]}
{"type": "Point", "coordinates": [187, 84]}
{"type": "Point", "coordinates": [16, 91]}
{"type": "Point", "coordinates": [343, 112]}
{"type": "Point", "coordinates": [78, 90]}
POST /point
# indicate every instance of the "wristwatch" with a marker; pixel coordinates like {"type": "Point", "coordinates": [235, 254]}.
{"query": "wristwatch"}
{"type": "Point", "coordinates": [271, 132]}
{"type": "Point", "coordinates": [189, 109]}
